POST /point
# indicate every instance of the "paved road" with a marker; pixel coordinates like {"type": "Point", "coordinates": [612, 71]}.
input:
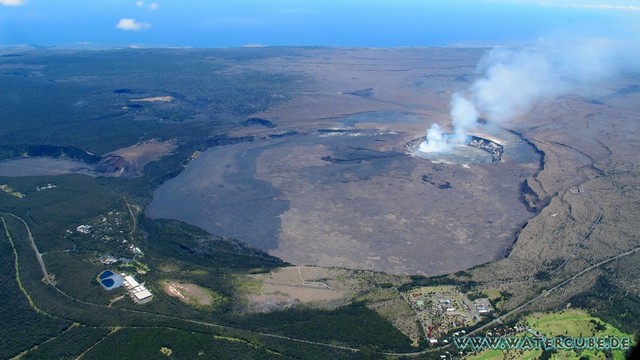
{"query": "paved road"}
{"type": "Point", "coordinates": [209, 324]}
{"type": "Point", "coordinates": [584, 238]}
{"type": "Point", "coordinates": [333, 346]}
{"type": "Point", "coordinates": [563, 283]}
{"type": "Point", "coordinates": [499, 320]}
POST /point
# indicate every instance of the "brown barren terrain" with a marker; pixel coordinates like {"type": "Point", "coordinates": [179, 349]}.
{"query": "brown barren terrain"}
{"type": "Point", "coordinates": [188, 293]}
{"type": "Point", "coordinates": [343, 191]}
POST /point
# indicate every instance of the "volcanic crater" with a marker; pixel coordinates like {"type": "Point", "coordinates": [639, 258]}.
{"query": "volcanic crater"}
{"type": "Point", "coordinates": [355, 198]}
{"type": "Point", "coordinates": [465, 152]}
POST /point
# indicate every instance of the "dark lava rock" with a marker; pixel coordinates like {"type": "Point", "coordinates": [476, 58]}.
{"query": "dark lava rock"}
{"type": "Point", "coordinates": [259, 121]}
{"type": "Point", "coordinates": [113, 165]}
{"type": "Point", "coordinates": [362, 93]}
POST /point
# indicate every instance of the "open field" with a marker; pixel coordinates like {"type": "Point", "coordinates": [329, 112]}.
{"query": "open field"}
{"type": "Point", "coordinates": [191, 294]}
{"type": "Point", "coordinates": [299, 285]}
{"type": "Point", "coordinates": [331, 288]}
{"type": "Point", "coordinates": [570, 323]}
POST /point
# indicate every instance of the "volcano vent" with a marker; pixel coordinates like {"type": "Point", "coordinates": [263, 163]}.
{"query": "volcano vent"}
{"type": "Point", "coordinates": [474, 150]}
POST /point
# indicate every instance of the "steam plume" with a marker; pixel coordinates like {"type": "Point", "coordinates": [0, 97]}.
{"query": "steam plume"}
{"type": "Point", "coordinates": [436, 141]}
{"type": "Point", "coordinates": [513, 80]}
{"type": "Point", "coordinates": [464, 115]}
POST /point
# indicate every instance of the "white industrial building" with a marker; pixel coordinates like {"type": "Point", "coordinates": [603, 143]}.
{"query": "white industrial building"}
{"type": "Point", "coordinates": [138, 292]}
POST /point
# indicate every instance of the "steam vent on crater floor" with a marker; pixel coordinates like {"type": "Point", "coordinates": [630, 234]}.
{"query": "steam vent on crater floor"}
{"type": "Point", "coordinates": [506, 146]}
{"type": "Point", "coordinates": [474, 150]}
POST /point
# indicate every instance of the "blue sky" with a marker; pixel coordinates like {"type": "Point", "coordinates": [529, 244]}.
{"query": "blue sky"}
{"type": "Point", "coordinates": [379, 23]}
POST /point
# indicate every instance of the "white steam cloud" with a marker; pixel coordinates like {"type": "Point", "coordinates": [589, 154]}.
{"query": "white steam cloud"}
{"type": "Point", "coordinates": [513, 80]}
{"type": "Point", "coordinates": [464, 114]}
{"type": "Point", "coordinates": [436, 141]}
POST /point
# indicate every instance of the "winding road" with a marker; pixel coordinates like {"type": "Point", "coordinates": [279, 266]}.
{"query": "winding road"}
{"type": "Point", "coordinates": [495, 322]}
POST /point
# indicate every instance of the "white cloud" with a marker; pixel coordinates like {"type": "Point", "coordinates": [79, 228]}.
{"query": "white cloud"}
{"type": "Point", "coordinates": [153, 6]}
{"type": "Point", "coordinates": [140, 3]}
{"type": "Point", "coordinates": [131, 25]}
{"type": "Point", "coordinates": [12, 2]}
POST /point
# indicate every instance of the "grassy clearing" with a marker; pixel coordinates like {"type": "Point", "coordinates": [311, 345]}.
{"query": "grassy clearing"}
{"type": "Point", "coordinates": [492, 294]}
{"type": "Point", "coordinates": [379, 295]}
{"type": "Point", "coordinates": [245, 285]}
{"type": "Point", "coordinates": [194, 295]}
{"type": "Point", "coordinates": [489, 355]}
{"type": "Point", "coordinates": [492, 354]}
{"type": "Point", "coordinates": [573, 322]}
{"type": "Point", "coordinates": [438, 289]}
{"type": "Point", "coordinates": [10, 191]}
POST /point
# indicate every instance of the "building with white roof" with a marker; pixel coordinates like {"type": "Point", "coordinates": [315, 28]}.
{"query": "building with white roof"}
{"type": "Point", "coordinates": [142, 296]}
{"type": "Point", "coordinates": [138, 292]}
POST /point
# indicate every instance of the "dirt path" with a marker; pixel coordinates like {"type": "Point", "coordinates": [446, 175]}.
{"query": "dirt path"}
{"type": "Point", "coordinates": [134, 219]}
